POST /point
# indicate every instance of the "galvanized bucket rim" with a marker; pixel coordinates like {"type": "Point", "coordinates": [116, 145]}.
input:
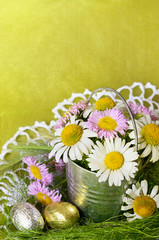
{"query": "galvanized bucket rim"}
{"type": "Point", "coordinates": [83, 169]}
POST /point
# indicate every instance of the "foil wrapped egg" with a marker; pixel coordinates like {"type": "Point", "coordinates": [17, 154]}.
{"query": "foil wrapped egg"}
{"type": "Point", "coordinates": [25, 216]}
{"type": "Point", "coordinates": [61, 215]}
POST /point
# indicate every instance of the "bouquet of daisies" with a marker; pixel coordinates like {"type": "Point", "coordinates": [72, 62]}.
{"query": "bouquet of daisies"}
{"type": "Point", "coordinates": [104, 138]}
{"type": "Point", "coordinates": [116, 141]}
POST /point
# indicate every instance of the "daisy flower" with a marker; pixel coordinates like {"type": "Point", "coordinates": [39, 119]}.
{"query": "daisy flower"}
{"type": "Point", "coordinates": [140, 111]}
{"type": "Point", "coordinates": [142, 203]}
{"type": "Point", "coordinates": [148, 137]}
{"type": "Point", "coordinates": [107, 123]}
{"type": "Point", "coordinates": [72, 141]}
{"type": "Point", "coordinates": [104, 103]}
{"type": "Point", "coordinates": [100, 105]}
{"type": "Point", "coordinates": [114, 160]}
{"type": "Point", "coordinates": [43, 194]}
{"type": "Point", "coordinates": [75, 109]}
{"type": "Point", "coordinates": [38, 171]}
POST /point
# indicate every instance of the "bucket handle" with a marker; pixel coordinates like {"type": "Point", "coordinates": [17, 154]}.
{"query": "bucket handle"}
{"type": "Point", "coordinates": [127, 106]}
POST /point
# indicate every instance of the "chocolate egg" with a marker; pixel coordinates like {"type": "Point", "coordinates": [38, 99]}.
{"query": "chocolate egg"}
{"type": "Point", "coordinates": [61, 215]}
{"type": "Point", "coordinates": [26, 217]}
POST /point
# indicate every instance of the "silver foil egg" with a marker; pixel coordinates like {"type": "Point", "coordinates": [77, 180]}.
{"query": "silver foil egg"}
{"type": "Point", "coordinates": [26, 217]}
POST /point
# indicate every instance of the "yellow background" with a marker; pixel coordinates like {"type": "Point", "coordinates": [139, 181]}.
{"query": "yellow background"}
{"type": "Point", "coordinates": [51, 48]}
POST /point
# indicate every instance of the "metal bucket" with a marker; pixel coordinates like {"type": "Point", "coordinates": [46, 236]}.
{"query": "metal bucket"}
{"type": "Point", "coordinates": [95, 200]}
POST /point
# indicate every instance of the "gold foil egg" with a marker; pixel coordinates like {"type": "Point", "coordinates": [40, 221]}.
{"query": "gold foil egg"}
{"type": "Point", "coordinates": [26, 217]}
{"type": "Point", "coordinates": [61, 215]}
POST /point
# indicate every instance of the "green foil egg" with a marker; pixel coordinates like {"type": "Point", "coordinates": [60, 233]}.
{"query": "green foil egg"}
{"type": "Point", "coordinates": [61, 215]}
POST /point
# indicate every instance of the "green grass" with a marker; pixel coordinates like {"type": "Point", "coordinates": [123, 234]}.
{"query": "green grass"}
{"type": "Point", "coordinates": [111, 229]}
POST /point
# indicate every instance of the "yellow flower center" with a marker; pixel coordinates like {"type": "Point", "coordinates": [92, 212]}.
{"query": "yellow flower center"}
{"type": "Point", "coordinates": [150, 132]}
{"type": "Point", "coordinates": [144, 206]}
{"type": "Point", "coordinates": [107, 123]}
{"type": "Point", "coordinates": [104, 103]}
{"type": "Point", "coordinates": [71, 134]}
{"type": "Point", "coordinates": [43, 198]}
{"type": "Point", "coordinates": [114, 160]}
{"type": "Point", "coordinates": [35, 171]}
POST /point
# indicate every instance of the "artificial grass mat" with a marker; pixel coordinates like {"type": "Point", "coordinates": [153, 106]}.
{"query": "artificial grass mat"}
{"type": "Point", "coordinates": [112, 229]}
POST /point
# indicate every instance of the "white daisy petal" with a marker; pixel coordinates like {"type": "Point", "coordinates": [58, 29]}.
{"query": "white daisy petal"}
{"type": "Point", "coordinates": [87, 142]}
{"type": "Point", "coordinates": [65, 156]}
{"type": "Point", "coordinates": [144, 187]}
{"type": "Point", "coordinates": [125, 208]}
{"type": "Point", "coordinates": [96, 166]}
{"type": "Point", "coordinates": [125, 173]}
{"type": "Point", "coordinates": [146, 151]}
{"type": "Point", "coordinates": [101, 147]}
{"type": "Point", "coordinates": [58, 131]}
{"type": "Point", "coordinates": [99, 172]}
{"type": "Point", "coordinates": [154, 191]}
{"type": "Point", "coordinates": [108, 146]}
{"type": "Point", "coordinates": [82, 147]}
{"type": "Point", "coordinates": [133, 218]}
{"type": "Point", "coordinates": [111, 179]}
{"type": "Point", "coordinates": [127, 166]}
{"type": "Point", "coordinates": [129, 201]}
{"type": "Point", "coordinates": [156, 198]}
{"type": "Point", "coordinates": [125, 149]}
{"type": "Point", "coordinates": [106, 174]}
{"type": "Point", "coordinates": [51, 154]}
{"type": "Point", "coordinates": [57, 147]}
{"type": "Point", "coordinates": [98, 156]}
{"type": "Point", "coordinates": [78, 153]}
{"type": "Point", "coordinates": [155, 154]}
{"type": "Point", "coordinates": [131, 193]}
{"type": "Point", "coordinates": [89, 133]}
{"type": "Point", "coordinates": [129, 214]}
{"type": "Point", "coordinates": [120, 176]}
{"type": "Point", "coordinates": [117, 144]}
{"type": "Point", "coordinates": [59, 153]}
{"type": "Point", "coordinates": [72, 119]}
{"type": "Point", "coordinates": [56, 140]}
{"type": "Point", "coordinates": [87, 111]}
{"type": "Point", "coordinates": [134, 156]}
{"type": "Point", "coordinates": [72, 153]}
{"type": "Point", "coordinates": [115, 178]}
{"type": "Point", "coordinates": [142, 145]}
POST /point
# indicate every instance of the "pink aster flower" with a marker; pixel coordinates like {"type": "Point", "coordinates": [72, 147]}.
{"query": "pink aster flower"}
{"type": "Point", "coordinates": [38, 171]}
{"type": "Point", "coordinates": [107, 123]}
{"type": "Point", "coordinates": [43, 194]}
{"type": "Point", "coordinates": [141, 110]}
{"type": "Point", "coordinates": [75, 109]}
{"type": "Point", "coordinates": [62, 121]}
{"type": "Point", "coordinates": [60, 166]}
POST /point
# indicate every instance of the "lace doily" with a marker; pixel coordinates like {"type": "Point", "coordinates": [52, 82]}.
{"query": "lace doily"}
{"type": "Point", "coordinates": [146, 95]}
